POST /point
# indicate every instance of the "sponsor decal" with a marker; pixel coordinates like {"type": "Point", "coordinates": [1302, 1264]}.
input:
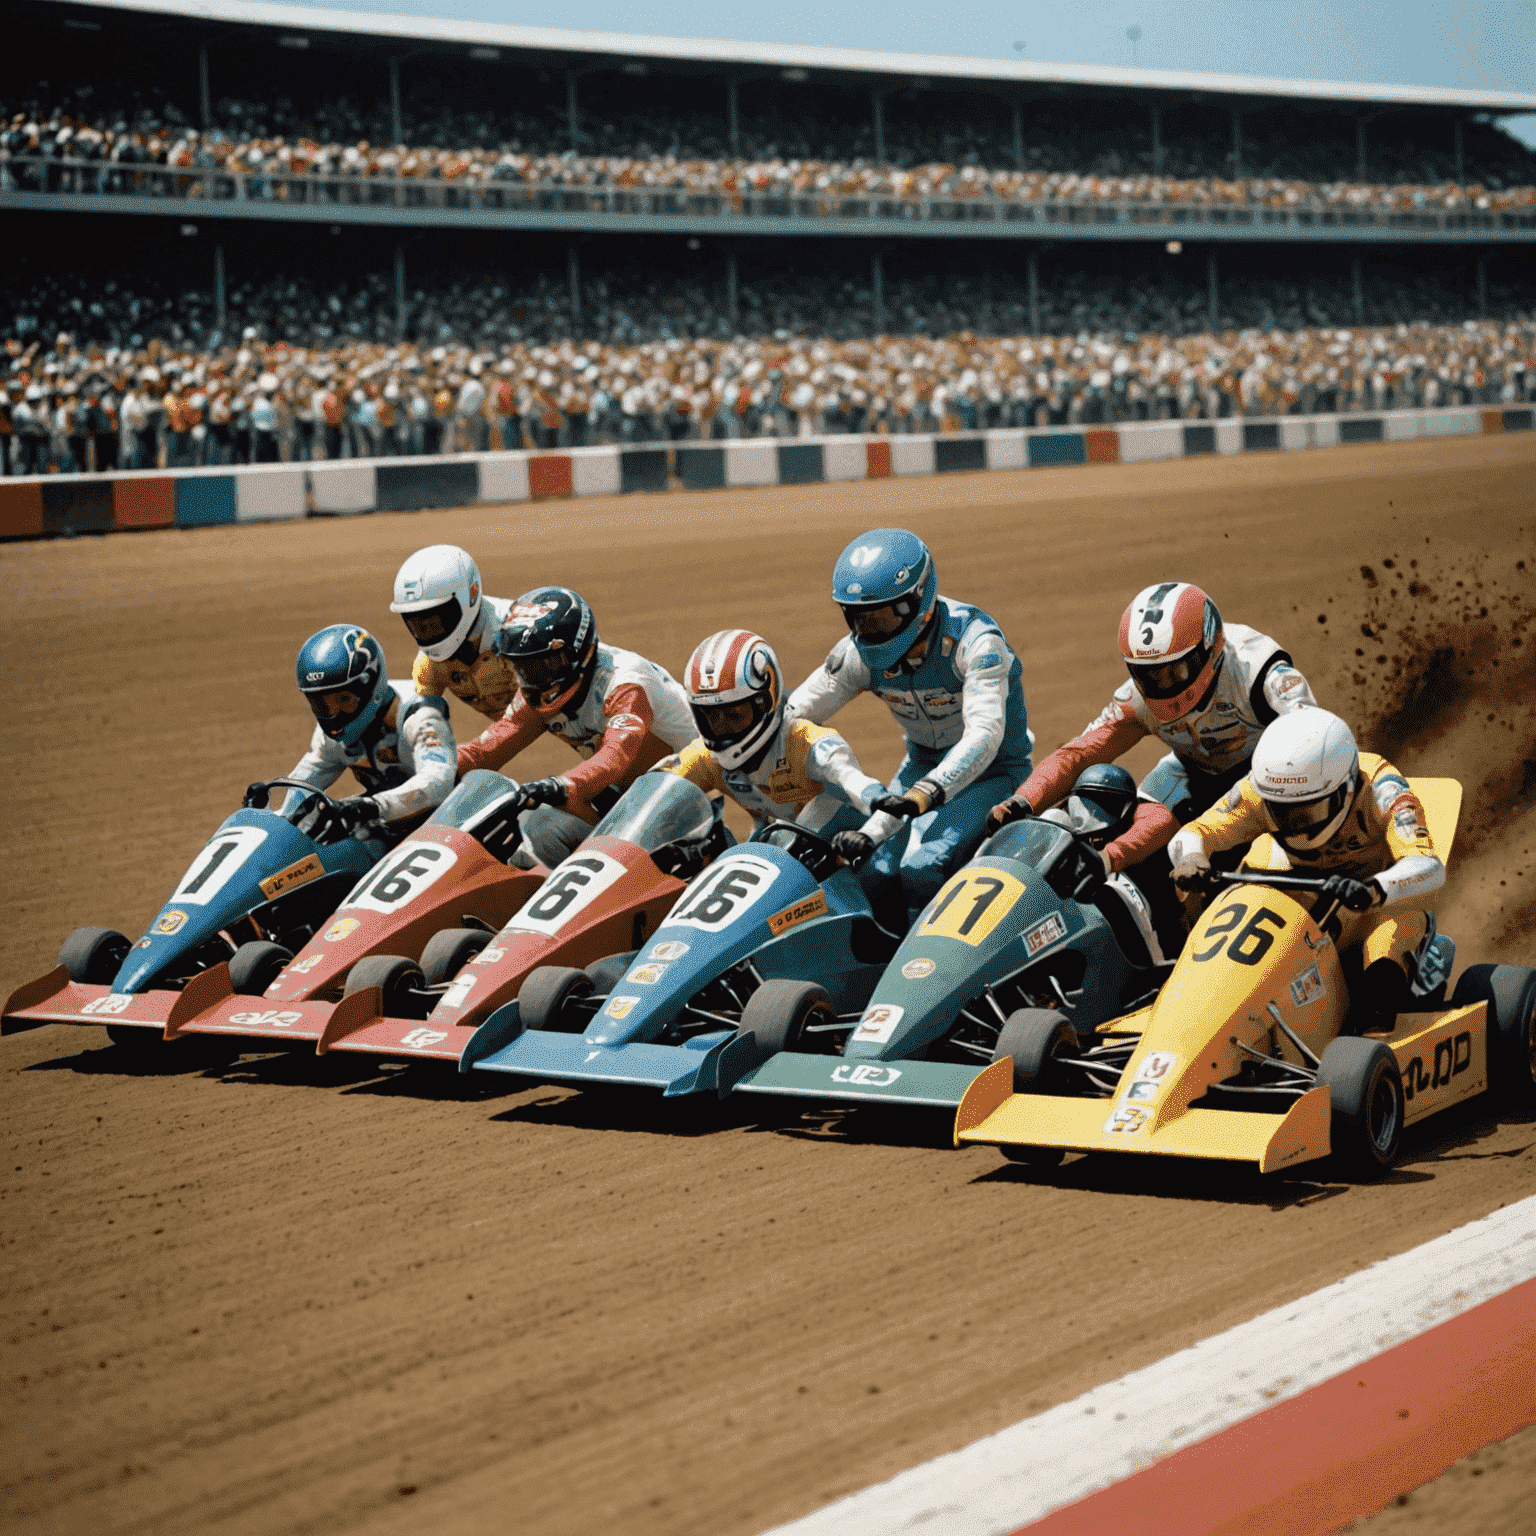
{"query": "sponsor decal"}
{"type": "Point", "coordinates": [488, 956]}
{"type": "Point", "coordinates": [991, 659]}
{"type": "Point", "coordinates": [170, 922]}
{"type": "Point", "coordinates": [1154, 1073]}
{"type": "Point", "coordinates": [879, 1023]}
{"type": "Point", "coordinates": [1308, 987]}
{"type": "Point", "coordinates": [304, 967]}
{"type": "Point", "coordinates": [814, 905]}
{"type": "Point", "coordinates": [626, 723]}
{"type": "Point", "coordinates": [647, 974]}
{"type": "Point", "coordinates": [620, 1007]}
{"type": "Point", "coordinates": [915, 970]}
{"type": "Point", "coordinates": [1452, 1058]}
{"type": "Point", "coordinates": [113, 1002]}
{"type": "Point", "coordinates": [269, 1019]}
{"type": "Point", "coordinates": [669, 949]}
{"type": "Point", "coordinates": [875, 1077]}
{"type": "Point", "coordinates": [1044, 933]}
{"type": "Point", "coordinates": [421, 1039]}
{"type": "Point", "coordinates": [523, 615]}
{"type": "Point", "coordinates": [340, 929]}
{"type": "Point", "coordinates": [307, 869]}
{"type": "Point", "coordinates": [458, 989]}
{"type": "Point", "coordinates": [1127, 1120]}
{"type": "Point", "coordinates": [1142, 1091]}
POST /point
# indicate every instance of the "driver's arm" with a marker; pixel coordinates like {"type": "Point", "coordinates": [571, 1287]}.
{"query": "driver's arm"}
{"type": "Point", "coordinates": [1154, 825]}
{"type": "Point", "coordinates": [983, 662]}
{"type": "Point", "coordinates": [628, 712]}
{"type": "Point", "coordinates": [501, 742]}
{"type": "Point", "coordinates": [1238, 817]}
{"type": "Point", "coordinates": [428, 735]}
{"type": "Point", "coordinates": [697, 764]}
{"type": "Point", "coordinates": [1416, 869]}
{"type": "Point", "coordinates": [321, 766]}
{"type": "Point", "coordinates": [839, 680]}
{"type": "Point", "coordinates": [1108, 739]}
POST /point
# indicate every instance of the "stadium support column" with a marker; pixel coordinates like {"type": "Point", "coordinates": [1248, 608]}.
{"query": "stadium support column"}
{"type": "Point", "coordinates": [571, 111]}
{"type": "Point", "coordinates": [220, 307]}
{"type": "Point", "coordinates": [1357, 288]}
{"type": "Point", "coordinates": [1461, 155]}
{"type": "Point", "coordinates": [400, 290]}
{"type": "Point", "coordinates": [1360, 147]}
{"type": "Point", "coordinates": [394, 101]}
{"type": "Point", "coordinates": [1213, 294]}
{"type": "Point", "coordinates": [732, 300]}
{"type": "Point", "coordinates": [573, 271]}
{"type": "Point", "coordinates": [1157, 139]}
{"type": "Point", "coordinates": [1237, 145]}
{"type": "Point", "coordinates": [1018, 135]}
{"type": "Point", "coordinates": [733, 114]}
{"type": "Point", "coordinates": [1032, 267]}
{"type": "Point", "coordinates": [877, 103]}
{"type": "Point", "coordinates": [204, 97]}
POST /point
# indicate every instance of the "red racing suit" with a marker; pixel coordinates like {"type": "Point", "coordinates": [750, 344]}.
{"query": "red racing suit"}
{"type": "Point", "coordinates": [1255, 684]}
{"type": "Point", "coordinates": [631, 714]}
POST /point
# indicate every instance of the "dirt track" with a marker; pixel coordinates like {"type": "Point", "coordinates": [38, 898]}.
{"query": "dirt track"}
{"type": "Point", "coordinates": [292, 1295]}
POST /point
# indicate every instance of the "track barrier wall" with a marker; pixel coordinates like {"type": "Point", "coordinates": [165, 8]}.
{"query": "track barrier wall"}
{"type": "Point", "coordinates": [66, 505]}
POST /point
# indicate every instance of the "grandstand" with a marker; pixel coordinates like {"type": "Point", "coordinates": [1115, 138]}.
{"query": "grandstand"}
{"type": "Point", "coordinates": [194, 173]}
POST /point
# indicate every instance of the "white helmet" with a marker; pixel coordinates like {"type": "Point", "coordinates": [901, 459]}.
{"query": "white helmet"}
{"type": "Point", "coordinates": [437, 592]}
{"type": "Point", "coordinates": [737, 693]}
{"type": "Point", "coordinates": [1306, 769]}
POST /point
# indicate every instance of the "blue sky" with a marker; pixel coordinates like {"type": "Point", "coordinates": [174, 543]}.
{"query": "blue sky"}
{"type": "Point", "coordinates": [1489, 44]}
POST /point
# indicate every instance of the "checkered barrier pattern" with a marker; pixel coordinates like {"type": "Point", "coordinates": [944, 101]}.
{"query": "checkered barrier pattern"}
{"type": "Point", "coordinates": [37, 507]}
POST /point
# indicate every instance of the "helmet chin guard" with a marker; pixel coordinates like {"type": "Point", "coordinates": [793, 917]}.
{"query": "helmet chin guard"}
{"type": "Point", "coordinates": [438, 593]}
{"type": "Point", "coordinates": [736, 689]}
{"type": "Point", "coordinates": [1306, 769]}
{"type": "Point", "coordinates": [887, 586]}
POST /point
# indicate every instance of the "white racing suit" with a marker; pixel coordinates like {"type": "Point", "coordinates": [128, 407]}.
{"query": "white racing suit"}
{"type": "Point", "coordinates": [474, 673]}
{"type": "Point", "coordinates": [405, 759]}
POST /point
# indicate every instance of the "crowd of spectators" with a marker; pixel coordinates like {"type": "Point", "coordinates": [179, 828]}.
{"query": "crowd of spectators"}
{"type": "Point", "coordinates": [338, 151]}
{"type": "Point", "coordinates": [71, 404]}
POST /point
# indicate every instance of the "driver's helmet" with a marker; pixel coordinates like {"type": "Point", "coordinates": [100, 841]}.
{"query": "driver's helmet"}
{"type": "Point", "coordinates": [887, 587]}
{"type": "Point", "coordinates": [342, 676]}
{"type": "Point", "coordinates": [736, 690]}
{"type": "Point", "coordinates": [1306, 769]}
{"type": "Point", "coordinates": [1103, 802]}
{"type": "Point", "coordinates": [437, 593]}
{"type": "Point", "coordinates": [550, 638]}
{"type": "Point", "coordinates": [1173, 644]}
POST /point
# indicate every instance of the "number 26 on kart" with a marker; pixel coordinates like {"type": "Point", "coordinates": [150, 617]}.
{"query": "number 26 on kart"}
{"type": "Point", "coordinates": [1251, 942]}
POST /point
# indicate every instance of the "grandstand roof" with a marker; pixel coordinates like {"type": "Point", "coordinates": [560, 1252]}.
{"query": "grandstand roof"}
{"type": "Point", "coordinates": [552, 42]}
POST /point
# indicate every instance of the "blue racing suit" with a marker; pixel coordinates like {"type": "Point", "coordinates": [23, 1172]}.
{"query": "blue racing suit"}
{"type": "Point", "coordinates": [961, 709]}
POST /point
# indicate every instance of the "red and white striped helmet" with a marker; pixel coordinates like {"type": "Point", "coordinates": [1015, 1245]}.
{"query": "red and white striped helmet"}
{"type": "Point", "coordinates": [1173, 644]}
{"type": "Point", "coordinates": [737, 692]}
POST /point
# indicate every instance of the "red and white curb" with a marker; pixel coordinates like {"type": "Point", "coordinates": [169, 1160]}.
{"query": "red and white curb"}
{"type": "Point", "coordinates": [1305, 1418]}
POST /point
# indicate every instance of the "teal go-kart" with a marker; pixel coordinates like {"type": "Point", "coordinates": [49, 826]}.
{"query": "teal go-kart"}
{"type": "Point", "coordinates": [781, 910]}
{"type": "Point", "coordinates": [262, 875]}
{"type": "Point", "coordinates": [1025, 931]}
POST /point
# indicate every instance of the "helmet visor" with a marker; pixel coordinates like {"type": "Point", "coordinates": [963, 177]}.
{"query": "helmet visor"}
{"type": "Point", "coordinates": [1167, 679]}
{"type": "Point", "coordinates": [1302, 820]}
{"type": "Point", "coordinates": [725, 722]}
{"type": "Point", "coordinates": [332, 709]}
{"type": "Point", "coordinates": [878, 621]}
{"type": "Point", "coordinates": [429, 625]}
{"type": "Point", "coordinates": [543, 674]}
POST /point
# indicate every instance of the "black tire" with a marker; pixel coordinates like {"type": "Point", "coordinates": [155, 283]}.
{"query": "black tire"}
{"type": "Point", "coordinates": [608, 972]}
{"type": "Point", "coordinates": [1510, 992]}
{"type": "Point", "coordinates": [94, 955]}
{"type": "Point", "coordinates": [399, 979]}
{"type": "Point", "coordinates": [1037, 1038]}
{"type": "Point", "coordinates": [254, 966]}
{"type": "Point", "coordinates": [777, 1013]}
{"type": "Point", "coordinates": [1367, 1093]}
{"type": "Point", "coordinates": [543, 998]}
{"type": "Point", "coordinates": [448, 952]}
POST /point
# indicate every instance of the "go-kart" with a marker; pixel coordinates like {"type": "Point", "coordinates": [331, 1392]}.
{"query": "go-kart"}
{"type": "Point", "coordinates": [261, 877]}
{"type": "Point", "coordinates": [779, 912]}
{"type": "Point", "coordinates": [593, 909]}
{"type": "Point", "coordinates": [1025, 926]}
{"type": "Point", "coordinates": [1247, 1052]}
{"type": "Point", "coordinates": [449, 874]}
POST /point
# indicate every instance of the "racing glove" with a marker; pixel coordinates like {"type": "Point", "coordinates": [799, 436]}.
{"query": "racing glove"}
{"type": "Point", "coordinates": [354, 815]}
{"type": "Point", "coordinates": [921, 798]}
{"type": "Point", "coordinates": [545, 792]}
{"type": "Point", "coordinates": [1191, 863]}
{"type": "Point", "coordinates": [1014, 808]}
{"type": "Point", "coordinates": [1353, 895]}
{"type": "Point", "coordinates": [255, 796]}
{"type": "Point", "coordinates": [853, 848]}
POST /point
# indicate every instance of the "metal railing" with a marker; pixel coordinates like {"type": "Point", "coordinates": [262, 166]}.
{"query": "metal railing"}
{"type": "Point", "coordinates": [493, 194]}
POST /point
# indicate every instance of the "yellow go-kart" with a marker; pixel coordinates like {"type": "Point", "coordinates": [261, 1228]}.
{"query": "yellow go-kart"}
{"type": "Point", "coordinates": [1244, 1053]}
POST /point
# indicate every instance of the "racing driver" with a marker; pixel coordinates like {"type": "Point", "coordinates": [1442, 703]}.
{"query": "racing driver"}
{"type": "Point", "coordinates": [619, 711]}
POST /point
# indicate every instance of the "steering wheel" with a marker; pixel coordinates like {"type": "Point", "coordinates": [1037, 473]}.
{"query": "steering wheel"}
{"type": "Point", "coordinates": [818, 856]}
{"type": "Point", "coordinates": [255, 802]}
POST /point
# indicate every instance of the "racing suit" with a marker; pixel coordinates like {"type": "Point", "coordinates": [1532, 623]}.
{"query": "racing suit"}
{"type": "Point", "coordinates": [630, 714]}
{"type": "Point", "coordinates": [959, 699]}
{"type": "Point", "coordinates": [807, 774]}
{"type": "Point", "coordinates": [474, 673]}
{"type": "Point", "coordinates": [1383, 840]}
{"type": "Point", "coordinates": [404, 760]}
{"type": "Point", "coordinates": [1255, 684]}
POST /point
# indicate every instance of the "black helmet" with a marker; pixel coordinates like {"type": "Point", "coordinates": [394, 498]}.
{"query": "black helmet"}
{"type": "Point", "coordinates": [550, 637]}
{"type": "Point", "coordinates": [1105, 796]}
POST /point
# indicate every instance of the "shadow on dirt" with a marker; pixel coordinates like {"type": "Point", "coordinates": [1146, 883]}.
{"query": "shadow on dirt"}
{"type": "Point", "coordinates": [616, 1108]}
{"type": "Point", "coordinates": [859, 1125]}
{"type": "Point", "coordinates": [180, 1059]}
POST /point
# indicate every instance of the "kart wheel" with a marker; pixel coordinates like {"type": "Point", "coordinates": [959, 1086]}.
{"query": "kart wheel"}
{"type": "Point", "coordinates": [399, 979]}
{"type": "Point", "coordinates": [1037, 1039]}
{"type": "Point", "coordinates": [777, 1013]}
{"type": "Point", "coordinates": [1510, 992]}
{"type": "Point", "coordinates": [254, 966]}
{"type": "Point", "coordinates": [542, 999]}
{"type": "Point", "coordinates": [1367, 1092]}
{"type": "Point", "coordinates": [607, 973]}
{"type": "Point", "coordinates": [447, 953]}
{"type": "Point", "coordinates": [93, 955]}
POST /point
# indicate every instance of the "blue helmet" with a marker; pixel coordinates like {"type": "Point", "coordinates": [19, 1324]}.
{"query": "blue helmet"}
{"type": "Point", "coordinates": [341, 673]}
{"type": "Point", "coordinates": [887, 587]}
